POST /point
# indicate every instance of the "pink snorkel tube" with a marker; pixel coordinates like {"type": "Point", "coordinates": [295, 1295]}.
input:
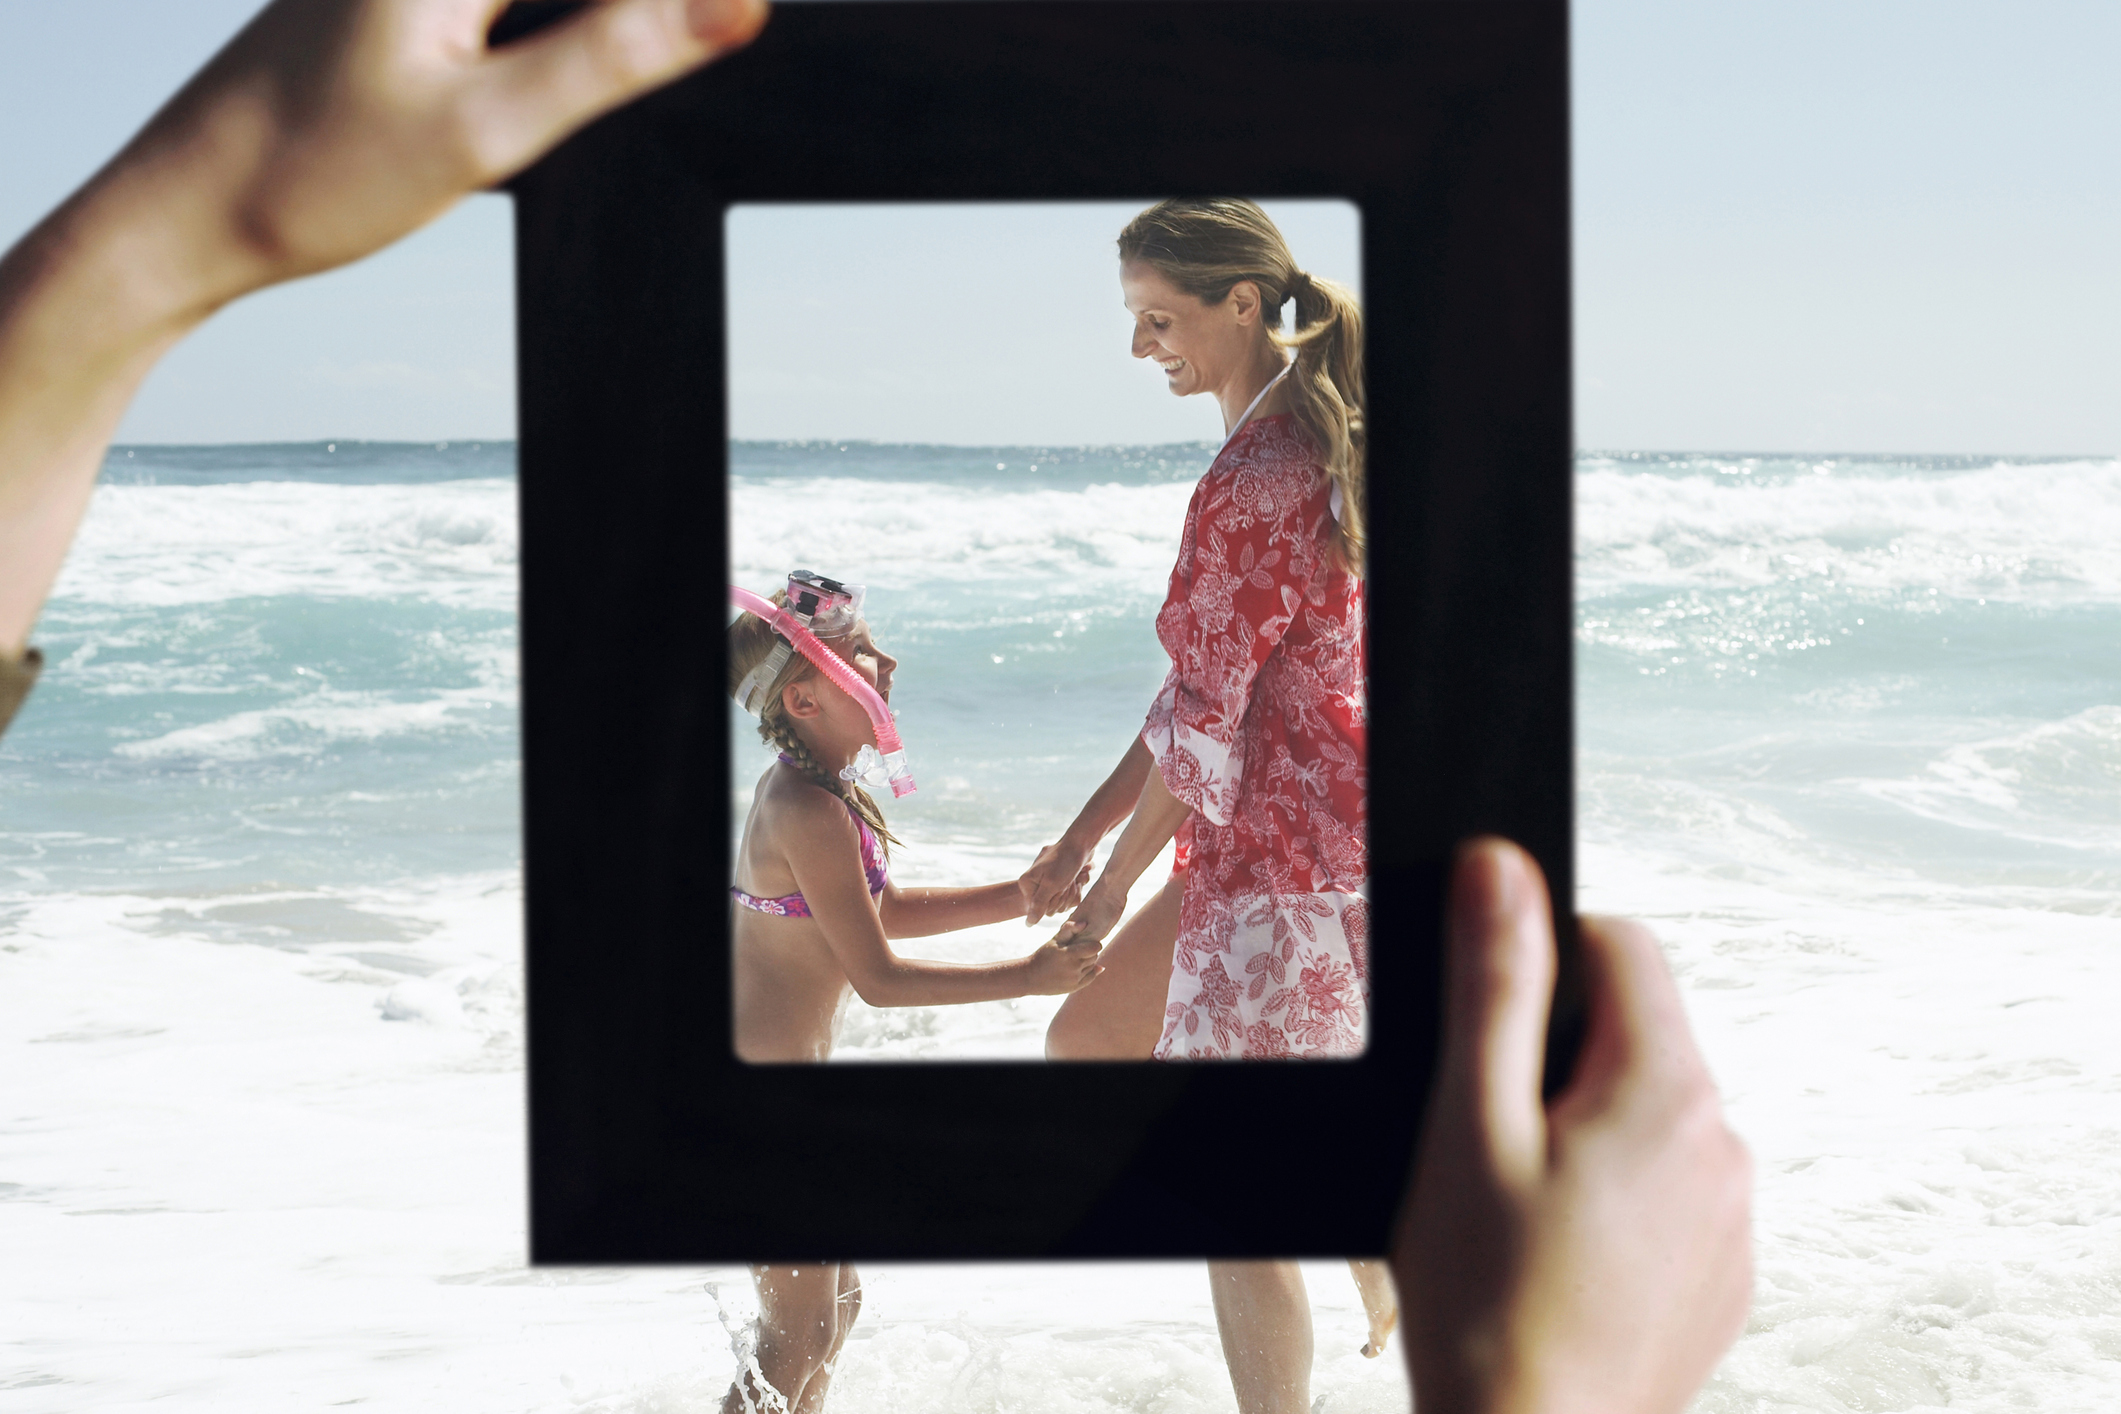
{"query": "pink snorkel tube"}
{"type": "Point", "coordinates": [791, 627]}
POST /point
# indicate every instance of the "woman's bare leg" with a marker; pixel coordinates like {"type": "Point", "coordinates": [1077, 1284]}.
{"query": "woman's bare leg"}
{"type": "Point", "coordinates": [1265, 1319]}
{"type": "Point", "coordinates": [1380, 1299]}
{"type": "Point", "coordinates": [850, 1306]}
{"type": "Point", "coordinates": [1261, 1307]}
{"type": "Point", "coordinates": [799, 1332]}
{"type": "Point", "coordinates": [1121, 1014]}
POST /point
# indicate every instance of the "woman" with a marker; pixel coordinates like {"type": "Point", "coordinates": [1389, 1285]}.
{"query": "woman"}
{"type": "Point", "coordinates": [1257, 945]}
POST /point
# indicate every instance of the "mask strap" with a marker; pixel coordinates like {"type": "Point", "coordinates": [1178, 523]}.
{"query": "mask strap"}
{"type": "Point", "coordinates": [750, 693]}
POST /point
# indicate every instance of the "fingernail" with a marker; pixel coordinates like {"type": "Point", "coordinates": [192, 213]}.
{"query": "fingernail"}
{"type": "Point", "coordinates": [716, 20]}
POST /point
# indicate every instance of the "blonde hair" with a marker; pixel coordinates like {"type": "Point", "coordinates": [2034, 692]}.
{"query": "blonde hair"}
{"type": "Point", "coordinates": [1205, 248]}
{"type": "Point", "coordinates": [751, 638]}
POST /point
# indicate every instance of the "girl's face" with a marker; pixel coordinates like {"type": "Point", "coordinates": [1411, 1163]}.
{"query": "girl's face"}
{"type": "Point", "coordinates": [836, 719]}
{"type": "Point", "coordinates": [1199, 346]}
{"type": "Point", "coordinates": [872, 662]}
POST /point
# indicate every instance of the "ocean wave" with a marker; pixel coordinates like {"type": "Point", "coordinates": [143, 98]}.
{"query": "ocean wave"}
{"type": "Point", "coordinates": [166, 546]}
{"type": "Point", "coordinates": [2053, 784]}
{"type": "Point", "coordinates": [2030, 531]}
{"type": "Point", "coordinates": [1100, 542]}
{"type": "Point", "coordinates": [318, 721]}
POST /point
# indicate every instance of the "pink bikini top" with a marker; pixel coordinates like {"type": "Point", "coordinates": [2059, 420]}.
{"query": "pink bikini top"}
{"type": "Point", "coordinates": [793, 906]}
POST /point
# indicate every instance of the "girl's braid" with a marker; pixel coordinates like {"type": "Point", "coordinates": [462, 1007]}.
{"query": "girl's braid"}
{"type": "Point", "coordinates": [779, 731]}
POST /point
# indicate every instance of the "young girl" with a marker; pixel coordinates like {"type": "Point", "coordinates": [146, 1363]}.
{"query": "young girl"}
{"type": "Point", "coordinates": [812, 915]}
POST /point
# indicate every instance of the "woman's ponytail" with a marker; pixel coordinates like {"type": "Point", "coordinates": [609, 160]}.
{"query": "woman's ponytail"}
{"type": "Point", "coordinates": [1326, 396]}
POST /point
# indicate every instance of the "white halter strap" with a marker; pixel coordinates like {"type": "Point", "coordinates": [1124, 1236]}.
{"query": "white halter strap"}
{"type": "Point", "coordinates": [1246, 416]}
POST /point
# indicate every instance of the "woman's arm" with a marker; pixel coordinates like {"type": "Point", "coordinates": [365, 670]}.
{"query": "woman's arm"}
{"type": "Point", "coordinates": [1044, 885]}
{"type": "Point", "coordinates": [324, 131]}
{"type": "Point", "coordinates": [1156, 819]}
{"type": "Point", "coordinates": [832, 881]}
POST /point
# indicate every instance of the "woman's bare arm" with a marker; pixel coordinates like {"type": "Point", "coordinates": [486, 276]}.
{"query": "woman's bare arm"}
{"type": "Point", "coordinates": [1157, 817]}
{"type": "Point", "coordinates": [1045, 884]}
{"type": "Point", "coordinates": [325, 131]}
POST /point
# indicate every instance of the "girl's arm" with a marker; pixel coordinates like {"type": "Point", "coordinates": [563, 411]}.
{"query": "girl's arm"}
{"type": "Point", "coordinates": [1156, 819]}
{"type": "Point", "coordinates": [830, 876]}
{"type": "Point", "coordinates": [1044, 885]}
{"type": "Point", "coordinates": [922, 913]}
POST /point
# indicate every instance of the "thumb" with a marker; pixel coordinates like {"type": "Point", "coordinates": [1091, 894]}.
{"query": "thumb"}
{"type": "Point", "coordinates": [540, 89]}
{"type": "Point", "coordinates": [1499, 978]}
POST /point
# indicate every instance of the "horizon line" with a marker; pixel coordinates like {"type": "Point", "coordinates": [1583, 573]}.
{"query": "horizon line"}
{"type": "Point", "coordinates": [452, 443]}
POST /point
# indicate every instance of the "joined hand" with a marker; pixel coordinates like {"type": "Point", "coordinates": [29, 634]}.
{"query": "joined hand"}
{"type": "Point", "coordinates": [1095, 917]}
{"type": "Point", "coordinates": [1055, 881]}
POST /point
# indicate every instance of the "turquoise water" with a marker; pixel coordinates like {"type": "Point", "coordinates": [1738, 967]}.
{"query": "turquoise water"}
{"type": "Point", "coordinates": [279, 665]}
{"type": "Point", "coordinates": [275, 666]}
{"type": "Point", "coordinates": [1914, 663]}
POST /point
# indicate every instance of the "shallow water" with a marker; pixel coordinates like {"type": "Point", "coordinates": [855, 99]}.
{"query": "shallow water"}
{"type": "Point", "coordinates": [1851, 739]}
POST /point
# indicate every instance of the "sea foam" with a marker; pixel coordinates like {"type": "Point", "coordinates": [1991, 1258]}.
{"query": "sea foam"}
{"type": "Point", "coordinates": [2040, 531]}
{"type": "Point", "coordinates": [168, 546]}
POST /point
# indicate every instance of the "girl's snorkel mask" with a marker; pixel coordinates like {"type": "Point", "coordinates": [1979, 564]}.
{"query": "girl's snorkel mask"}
{"type": "Point", "coordinates": [817, 605]}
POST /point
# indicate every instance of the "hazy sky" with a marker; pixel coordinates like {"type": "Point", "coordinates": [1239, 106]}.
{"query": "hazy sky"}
{"type": "Point", "coordinates": [1811, 225]}
{"type": "Point", "coordinates": [986, 323]}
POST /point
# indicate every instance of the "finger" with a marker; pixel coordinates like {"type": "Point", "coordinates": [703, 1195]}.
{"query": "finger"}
{"type": "Point", "coordinates": [1041, 894]}
{"type": "Point", "coordinates": [1499, 978]}
{"type": "Point", "coordinates": [1049, 897]}
{"type": "Point", "coordinates": [1637, 1029]}
{"type": "Point", "coordinates": [532, 93]}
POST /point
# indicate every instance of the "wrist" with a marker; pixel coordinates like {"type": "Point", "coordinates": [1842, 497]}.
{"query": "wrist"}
{"type": "Point", "coordinates": [157, 240]}
{"type": "Point", "coordinates": [1109, 889]}
{"type": "Point", "coordinates": [97, 287]}
{"type": "Point", "coordinates": [1081, 837]}
{"type": "Point", "coordinates": [165, 225]}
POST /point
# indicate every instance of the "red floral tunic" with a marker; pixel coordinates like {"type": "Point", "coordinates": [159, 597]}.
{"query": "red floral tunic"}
{"type": "Point", "coordinates": [1261, 729]}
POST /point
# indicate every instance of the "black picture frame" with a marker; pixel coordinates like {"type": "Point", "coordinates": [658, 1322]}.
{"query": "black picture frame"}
{"type": "Point", "coordinates": [1446, 124]}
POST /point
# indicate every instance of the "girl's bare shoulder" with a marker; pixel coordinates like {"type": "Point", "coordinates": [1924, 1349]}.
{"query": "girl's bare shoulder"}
{"type": "Point", "coordinates": [794, 807]}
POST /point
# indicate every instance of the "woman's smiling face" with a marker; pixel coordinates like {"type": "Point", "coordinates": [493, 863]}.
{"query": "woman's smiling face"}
{"type": "Point", "coordinates": [1197, 345]}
